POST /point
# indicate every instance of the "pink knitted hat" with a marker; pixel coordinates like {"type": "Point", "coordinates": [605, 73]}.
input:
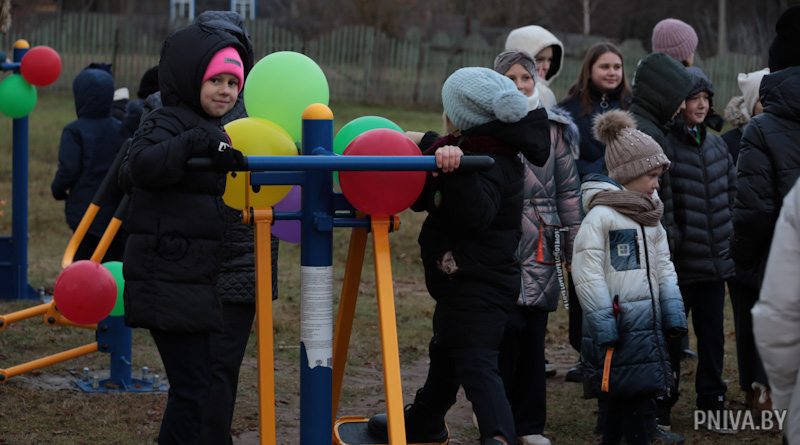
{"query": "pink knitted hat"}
{"type": "Point", "coordinates": [228, 61]}
{"type": "Point", "coordinates": [674, 38]}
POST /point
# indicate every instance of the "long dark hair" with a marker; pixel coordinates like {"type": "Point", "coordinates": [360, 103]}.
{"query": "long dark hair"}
{"type": "Point", "coordinates": [581, 86]}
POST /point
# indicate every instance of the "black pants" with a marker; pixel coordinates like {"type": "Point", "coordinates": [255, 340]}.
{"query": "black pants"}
{"type": "Point", "coordinates": [464, 352]}
{"type": "Point", "coordinates": [706, 302]}
{"type": "Point", "coordinates": [522, 368]}
{"type": "Point", "coordinates": [186, 359]}
{"type": "Point", "coordinates": [751, 369]}
{"type": "Point", "coordinates": [575, 317]}
{"type": "Point", "coordinates": [625, 418]}
{"type": "Point", "coordinates": [227, 351]}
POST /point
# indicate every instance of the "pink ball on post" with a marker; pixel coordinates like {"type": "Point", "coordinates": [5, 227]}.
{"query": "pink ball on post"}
{"type": "Point", "coordinates": [85, 292]}
{"type": "Point", "coordinates": [382, 193]}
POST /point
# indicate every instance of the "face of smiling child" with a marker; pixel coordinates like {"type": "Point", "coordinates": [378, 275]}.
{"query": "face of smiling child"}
{"type": "Point", "coordinates": [696, 109]}
{"type": "Point", "coordinates": [218, 94]}
{"type": "Point", "coordinates": [521, 78]}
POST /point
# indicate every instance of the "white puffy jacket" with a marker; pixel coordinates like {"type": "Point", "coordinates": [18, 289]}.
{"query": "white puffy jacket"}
{"type": "Point", "coordinates": [616, 258]}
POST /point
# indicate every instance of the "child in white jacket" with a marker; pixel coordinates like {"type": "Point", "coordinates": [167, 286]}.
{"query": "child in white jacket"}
{"type": "Point", "coordinates": [625, 281]}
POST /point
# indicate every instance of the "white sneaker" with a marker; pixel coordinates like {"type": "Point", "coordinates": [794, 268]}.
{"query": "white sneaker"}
{"type": "Point", "coordinates": [533, 439]}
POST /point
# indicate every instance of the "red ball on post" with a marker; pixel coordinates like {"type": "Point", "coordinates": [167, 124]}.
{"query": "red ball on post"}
{"type": "Point", "coordinates": [382, 193]}
{"type": "Point", "coordinates": [85, 292]}
{"type": "Point", "coordinates": [40, 66]}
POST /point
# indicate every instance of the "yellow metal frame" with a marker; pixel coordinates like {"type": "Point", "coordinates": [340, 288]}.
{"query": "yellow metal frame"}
{"type": "Point", "coordinates": [387, 321]}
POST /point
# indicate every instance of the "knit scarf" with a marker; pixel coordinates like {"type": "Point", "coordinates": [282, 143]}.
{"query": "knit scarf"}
{"type": "Point", "coordinates": [636, 206]}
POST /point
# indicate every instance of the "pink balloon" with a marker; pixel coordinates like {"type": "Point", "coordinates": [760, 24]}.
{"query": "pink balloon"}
{"type": "Point", "coordinates": [288, 229]}
{"type": "Point", "coordinates": [85, 292]}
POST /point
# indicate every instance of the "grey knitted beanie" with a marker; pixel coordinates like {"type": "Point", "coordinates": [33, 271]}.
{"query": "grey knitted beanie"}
{"type": "Point", "coordinates": [475, 96]}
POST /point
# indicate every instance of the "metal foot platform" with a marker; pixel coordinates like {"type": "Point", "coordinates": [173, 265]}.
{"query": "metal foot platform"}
{"type": "Point", "coordinates": [352, 430]}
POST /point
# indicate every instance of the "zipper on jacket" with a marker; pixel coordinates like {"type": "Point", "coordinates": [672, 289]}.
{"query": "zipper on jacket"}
{"type": "Point", "coordinates": [604, 102]}
{"type": "Point", "coordinates": [653, 306]}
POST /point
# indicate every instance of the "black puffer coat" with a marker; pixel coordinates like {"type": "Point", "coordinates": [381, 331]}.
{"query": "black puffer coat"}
{"type": "Point", "coordinates": [769, 165]}
{"type": "Point", "coordinates": [469, 240]}
{"type": "Point", "coordinates": [703, 180]}
{"type": "Point", "coordinates": [175, 216]}
{"type": "Point", "coordinates": [660, 84]}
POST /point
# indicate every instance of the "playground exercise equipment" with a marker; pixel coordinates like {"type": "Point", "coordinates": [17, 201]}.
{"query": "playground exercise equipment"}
{"type": "Point", "coordinates": [39, 66]}
{"type": "Point", "coordinates": [322, 355]}
{"type": "Point", "coordinates": [89, 309]}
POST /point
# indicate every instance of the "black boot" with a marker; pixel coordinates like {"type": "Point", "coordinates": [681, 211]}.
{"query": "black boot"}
{"type": "Point", "coordinates": [420, 428]}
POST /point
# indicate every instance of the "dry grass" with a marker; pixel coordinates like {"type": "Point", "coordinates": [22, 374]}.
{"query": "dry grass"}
{"type": "Point", "coordinates": [44, 406]}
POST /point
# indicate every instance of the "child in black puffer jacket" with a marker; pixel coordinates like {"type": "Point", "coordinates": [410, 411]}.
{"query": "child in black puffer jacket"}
{"type": "Point", "coordinates": [175, 216]}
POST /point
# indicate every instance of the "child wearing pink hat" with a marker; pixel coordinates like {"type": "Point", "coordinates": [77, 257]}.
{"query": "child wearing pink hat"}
{"type": "Point", "coordinates": [172, 256]}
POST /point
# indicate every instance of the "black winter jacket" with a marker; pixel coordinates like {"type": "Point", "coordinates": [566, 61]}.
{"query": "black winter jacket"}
{"type": "Point", "coordinates": [87, 150]}
{"type": "Point", "coordinates": [769, 165]}
{"type": "Point", "coordinates": [703, 180]}
{"type": "Point", "coordinates": [175, 216]}
{"type": "Point", "coordinates": [469, 240]}
{"type": "Point", "coordinates": [592, 152]}
{"type": "Point", "coordinates": [660, 84]}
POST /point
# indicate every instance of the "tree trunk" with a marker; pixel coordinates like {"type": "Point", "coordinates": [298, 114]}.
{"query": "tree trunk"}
{"type": "Point", "coordinates": [722, 27]}
{"type": "Point", "coordinates": [586, 17]}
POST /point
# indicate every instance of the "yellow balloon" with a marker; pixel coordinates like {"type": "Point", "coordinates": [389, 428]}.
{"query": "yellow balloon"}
{"type": "Point", "coordinates": [256, 137]}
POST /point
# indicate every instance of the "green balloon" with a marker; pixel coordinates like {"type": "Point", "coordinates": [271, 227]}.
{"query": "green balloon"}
{"type": "Point", "coordinates": [17, 96]}
{"type": "Point", "coordinates": [280, 87]}
{"type": "Point", "coordinates": [115, 267]}
{"type": "Point", "coordinates": [356, 127]}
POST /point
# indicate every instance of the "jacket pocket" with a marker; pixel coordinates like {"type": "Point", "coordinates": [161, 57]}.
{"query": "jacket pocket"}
{"type": "Point", "coordinates": [624, 248]}
{"type": "Point", "coordinates": [548, 226]}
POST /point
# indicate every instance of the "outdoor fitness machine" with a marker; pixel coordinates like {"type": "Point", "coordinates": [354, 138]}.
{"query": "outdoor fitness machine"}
{"type": "Point", "coordinates": [85, 306]}
{"type": "Point", "coordinates": [323, 356]}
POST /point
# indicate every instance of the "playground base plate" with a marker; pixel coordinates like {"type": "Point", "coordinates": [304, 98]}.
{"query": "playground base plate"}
{"type": "Point", "coordinates": [352, 430]}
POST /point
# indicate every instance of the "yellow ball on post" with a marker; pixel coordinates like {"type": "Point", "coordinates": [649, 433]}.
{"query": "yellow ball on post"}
{"type": "Point", "coordinates": [256, 137]}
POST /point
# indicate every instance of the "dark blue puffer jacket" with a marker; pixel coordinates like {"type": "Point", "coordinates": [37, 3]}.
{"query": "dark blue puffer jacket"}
{"type": "Point", "coordinates": [703, 188]}
{"type": "Point", "coordinates": [87, 149]}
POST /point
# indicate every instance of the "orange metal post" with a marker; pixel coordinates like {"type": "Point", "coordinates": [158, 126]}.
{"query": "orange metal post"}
{"type": "Point", "coordinates": [266, 353]}
{"type": "Point", "coordinates": [105, 241]}
{"type": "Point", "coordinates": [347, 309]}
{"type": "Point", "coordinates": [52, 317]}
{"type": "Point", "coordinates": [388, 325]}
{"type": "Point", "coordinates": [6, 374]}
{"type": "Point", "coordinates": [80, 232]}
{"type": "Point", "coordinates": [24, 314]}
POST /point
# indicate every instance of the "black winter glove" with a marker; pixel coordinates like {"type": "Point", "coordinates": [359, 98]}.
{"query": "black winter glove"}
{"type": "Point", "coordinates": [225, 158]}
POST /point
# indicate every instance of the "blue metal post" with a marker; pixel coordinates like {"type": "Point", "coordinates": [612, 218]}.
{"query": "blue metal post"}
{"type": "Point", "coordinates": [19, 203]}
{"type": "Point", "coordinates": [316, 304]}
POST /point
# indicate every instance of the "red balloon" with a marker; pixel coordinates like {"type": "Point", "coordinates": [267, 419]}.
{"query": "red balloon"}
{"type": "Point", "coordinates": [85, 292]}
{"type": "Point", "coordinates": [40, 66]}
{"type": "Point", "coordinates": [382, 193]}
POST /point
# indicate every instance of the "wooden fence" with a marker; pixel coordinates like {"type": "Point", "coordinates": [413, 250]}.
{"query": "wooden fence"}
{"type": "Point", "coordinates": [362, 64]}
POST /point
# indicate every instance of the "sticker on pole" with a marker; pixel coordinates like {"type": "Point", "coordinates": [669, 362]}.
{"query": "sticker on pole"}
{"type": "Point", "coordinates": [316, 308]}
